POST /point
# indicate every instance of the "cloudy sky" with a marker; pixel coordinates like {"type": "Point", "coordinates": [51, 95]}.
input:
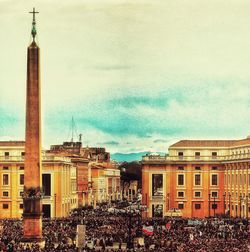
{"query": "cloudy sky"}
{"type": "Point", "coordinates": [135, 75]}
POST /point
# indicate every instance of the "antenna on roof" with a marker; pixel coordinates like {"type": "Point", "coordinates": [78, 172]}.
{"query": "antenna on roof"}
{"type": "Point", "coordinates": [72, 130]}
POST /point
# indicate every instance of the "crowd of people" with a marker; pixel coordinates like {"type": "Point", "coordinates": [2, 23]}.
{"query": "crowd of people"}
{"type": "Point", "coordinates": [107, 231]}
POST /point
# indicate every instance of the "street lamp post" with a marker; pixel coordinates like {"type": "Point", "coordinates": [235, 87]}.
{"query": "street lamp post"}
{"type": "Point", "coordinates": [139, 233]}
{"type": "Point", "coordinates": [247, 207]}
{"type": "Point", "coordinates": [214, 206]}
{"type": "Point", "coordinates": [55, 206]}
{"type": "Point", "coordinates": [209, 197]}
{"type": "Point", "coordinates": [130, 245]}
{"type": "Point", "coordinates": [168, 201]}
{"type": "Point", "coordinates": [240, 205]}
{"type": "Point", "coordinates": [89, 192]}
{"type": "Point", "coordinates": [82, 198]}
{"type": "Point", "coordinates": [224, 201]}
{"type": "Point", "coordinates": [94, 198]}
{"type": "Point", "coordinates": [229, 212]}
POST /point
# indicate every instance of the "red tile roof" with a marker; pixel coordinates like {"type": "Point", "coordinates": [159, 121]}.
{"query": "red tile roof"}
{"type": "Point", "coordinates": [204, 143]}
{"type": "Point", "coordinates": [245, 141]}
{"type": "Point", "coordinates": [12, 143]}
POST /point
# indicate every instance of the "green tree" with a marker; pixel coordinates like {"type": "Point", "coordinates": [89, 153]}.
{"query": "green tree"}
{"type": "Point", "coordinates": [130, 171]}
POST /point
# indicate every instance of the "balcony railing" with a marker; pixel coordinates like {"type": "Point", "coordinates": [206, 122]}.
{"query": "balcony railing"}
{"type": "Point", "coordinates": [11, 158]}
{"type": "Point", "coordinates": [237, 156]}
{"type": "Point", "coordinates": [154, 158]}
{"type": "Point", "coordinates": [158, 197]}
{"type": "Point", "coordinates": [56, 158]}
{"type": "Point", "coordinates": [44, 158]}
{"type": "Point", "coordinates": [159, 158]}
{"type": "Point", "coordinates": [195, 158]}
{"type": "Point", "coordinates": [182, 158]}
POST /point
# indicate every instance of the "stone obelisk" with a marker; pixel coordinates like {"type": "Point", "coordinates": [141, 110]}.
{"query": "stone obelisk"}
{"type": "Point", "coordinates": [32, 197]}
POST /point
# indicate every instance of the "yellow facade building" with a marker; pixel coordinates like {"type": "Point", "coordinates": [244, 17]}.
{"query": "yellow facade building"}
{"type": "Point", "coordinates": [199, 178]}
{"type": "Point", "coordinates": [237, 178]}
{"type": "Point", "coordinates": [58, 177]}
{"type": "Point", "coordinates": [105, 178]}
{"type": "Point", "coordinates": [98, 178]}
{"type": "Point", "coordinates": [113, 183]}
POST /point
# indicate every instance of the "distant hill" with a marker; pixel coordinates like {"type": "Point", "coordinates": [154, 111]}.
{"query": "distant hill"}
{"type": "Point", "coordinates": [129, 157]}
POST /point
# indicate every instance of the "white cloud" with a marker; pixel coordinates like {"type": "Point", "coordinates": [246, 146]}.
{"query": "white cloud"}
{"type": "Point", "coordinates": [95, 51]}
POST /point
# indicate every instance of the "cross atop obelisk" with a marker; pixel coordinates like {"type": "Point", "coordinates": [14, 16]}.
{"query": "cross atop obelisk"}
{"type": "Point", "coordinates": [33, 30]}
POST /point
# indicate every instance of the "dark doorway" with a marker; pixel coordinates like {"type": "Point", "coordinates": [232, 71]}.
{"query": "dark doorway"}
{"type": "Point", "coordinates": [46, 184]}
{"type": "Point", "coordinates": [46, 211]}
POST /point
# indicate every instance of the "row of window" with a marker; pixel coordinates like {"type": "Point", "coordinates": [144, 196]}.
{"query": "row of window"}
{"type": "Point", "coordinates": [157, 182]}
{"type": "Point", "coordinates": [197, 194]}
{"type": "Point", "coordinates": [46, 179]}
{"type": "Point", "coordinates": [7, 154]}
{"type": "Point", "coordinates": [197, 206]}
{"type": "Point", "coordinates": [7, 167]}
{"type": "Point", "coordinates": [6, 194]}
{"type": "Point", "coordinates": [46, 182]}
{"type": "Point", "coordinates": [214, 154]}
{"type": "Point", "coordinates": [6, 179]}
{"type": "Point", "coordinates": [197, 154]}
{"type": "Point", "coordinates": [6, 206]}
{"type": "Point", "coordinates": [197, 179]}
{"type": "Point", "coordinates": [197, 168]}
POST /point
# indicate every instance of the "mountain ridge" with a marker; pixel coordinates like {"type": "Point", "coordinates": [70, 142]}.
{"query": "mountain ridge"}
{"type": "Point", "coordinates": [129, 157]}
